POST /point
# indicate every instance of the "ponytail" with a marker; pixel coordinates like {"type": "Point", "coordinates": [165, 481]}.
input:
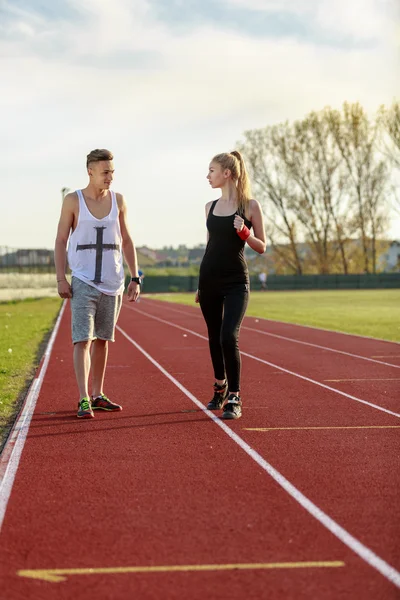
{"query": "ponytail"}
{"type": "Point", "coordinates": [243, 185]}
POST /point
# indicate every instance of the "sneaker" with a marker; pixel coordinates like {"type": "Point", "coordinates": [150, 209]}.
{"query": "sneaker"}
{"type": "Point", "coordinates": [104, 403]}
{"type": "Point", "coordinates": [220, 394]}
{"type": "Point", "coordinates": [233, 408]}
{"type": "Point", "coordinates": [85, 409]}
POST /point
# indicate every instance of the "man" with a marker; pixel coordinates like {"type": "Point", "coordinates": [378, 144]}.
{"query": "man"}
{"type": "Point", "coordinates": [263, 280]}
{"type": "Point", "coordinates": [95, 222]}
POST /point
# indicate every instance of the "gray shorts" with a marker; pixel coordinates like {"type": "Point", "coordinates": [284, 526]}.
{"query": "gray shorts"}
{"type": "Point", "coordinates": [94, 314]}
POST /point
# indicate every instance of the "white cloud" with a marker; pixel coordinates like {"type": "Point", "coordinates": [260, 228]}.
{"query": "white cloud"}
{"type": "Point", "coordinates": [361, 19]}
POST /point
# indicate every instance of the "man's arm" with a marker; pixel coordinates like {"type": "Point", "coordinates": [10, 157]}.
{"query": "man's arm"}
{"type": "Point", "coordinates": [128, 249]}
{"type": "Point", "coordinates": [60, 250]}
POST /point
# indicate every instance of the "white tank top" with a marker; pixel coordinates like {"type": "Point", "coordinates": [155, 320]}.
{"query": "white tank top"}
{"type": "Point", "coordinates": [95, 249]}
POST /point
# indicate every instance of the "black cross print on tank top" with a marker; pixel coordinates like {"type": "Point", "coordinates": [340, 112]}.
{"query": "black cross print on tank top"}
{"type": "Point", "coordinates": [99, 247]}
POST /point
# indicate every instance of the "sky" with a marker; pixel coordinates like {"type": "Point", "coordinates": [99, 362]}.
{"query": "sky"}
{"type": "Point", "coordinates": [166, 85]}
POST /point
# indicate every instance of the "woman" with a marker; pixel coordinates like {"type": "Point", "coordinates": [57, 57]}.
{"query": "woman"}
{"type": "Point", "coordinates": [224, 279]}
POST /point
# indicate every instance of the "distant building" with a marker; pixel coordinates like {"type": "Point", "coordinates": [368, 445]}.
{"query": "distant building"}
{"type": "Point", "coordinates": [196, 254]}
{"type": "Point", "coordinates": [28, 257]}
{"type": "Point", "coordinates": [148, 252]}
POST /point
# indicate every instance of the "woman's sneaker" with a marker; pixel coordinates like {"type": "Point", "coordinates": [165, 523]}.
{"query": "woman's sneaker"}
{"type": "Point", "coordinates": [85, 409]}
{"type": "Point", "coordinates": [104, 403]}
{"type": "Point", "coordinates": [220, 394]}
{"type": "Point", "coordinates": [233, 408]}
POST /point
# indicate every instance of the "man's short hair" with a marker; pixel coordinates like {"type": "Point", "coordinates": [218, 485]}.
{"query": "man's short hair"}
{"type": "Point", "coordinates": [98, 155]}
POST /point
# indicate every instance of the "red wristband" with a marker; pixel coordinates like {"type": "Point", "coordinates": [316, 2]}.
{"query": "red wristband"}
{"type": "Point", "coordinates": [243, 233]}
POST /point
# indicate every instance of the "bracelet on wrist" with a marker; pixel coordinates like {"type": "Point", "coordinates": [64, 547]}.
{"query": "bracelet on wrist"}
{"type": "Point", "coordinates": [244, 233]}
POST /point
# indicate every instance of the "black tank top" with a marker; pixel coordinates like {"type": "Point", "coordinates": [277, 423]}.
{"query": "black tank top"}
{"type": "Point", "coordinates": [223, 261]}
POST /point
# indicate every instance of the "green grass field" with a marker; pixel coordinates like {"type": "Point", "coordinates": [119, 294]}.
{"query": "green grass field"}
{"type": "Point", "coordinates": [25, 327]}
{"type": "Point", "coordinates": [374, 313]}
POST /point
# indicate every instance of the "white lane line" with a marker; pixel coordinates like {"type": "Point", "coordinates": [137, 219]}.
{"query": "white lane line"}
{"type": "Point", "coordinates": [282, 337]}
{"type": "Point", "coordinates": [357, 335]}
{"type": "Point", "coordinates": [342, 534]}
{"type": "Point", "coordinates": [288, 339]}
{"type": "Point", "coordinates": [10, 457]}
{"type": "Point", "coordinates": [266, 362]}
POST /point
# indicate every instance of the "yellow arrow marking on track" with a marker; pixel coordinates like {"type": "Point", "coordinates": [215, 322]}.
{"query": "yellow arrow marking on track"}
{"type": "Point", "coordinates": [386, 356]}
{"type": "Point", "coordinates": [57, 575]}
{"type": "Point", "coordinates": [306, 428]}
{"type": "Point", "coordinates": [367, 379]}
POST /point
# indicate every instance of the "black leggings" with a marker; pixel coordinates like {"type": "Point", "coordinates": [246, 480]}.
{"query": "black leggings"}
{"type": "Point", "coordinates": [223, 310]}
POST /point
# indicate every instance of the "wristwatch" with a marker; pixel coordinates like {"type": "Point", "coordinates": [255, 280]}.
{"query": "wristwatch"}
{"type": "Point", "coordinates": [137, 280]}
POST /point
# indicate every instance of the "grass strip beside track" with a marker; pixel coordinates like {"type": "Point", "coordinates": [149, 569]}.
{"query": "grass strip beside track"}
{"type": "Point", "coordinates": [372, 313]}
{"type": "Point", "coordinates": [25, 327]}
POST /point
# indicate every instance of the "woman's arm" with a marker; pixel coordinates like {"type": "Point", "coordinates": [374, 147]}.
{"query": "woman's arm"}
{"type": "Point", "coordinates": [257, 241]}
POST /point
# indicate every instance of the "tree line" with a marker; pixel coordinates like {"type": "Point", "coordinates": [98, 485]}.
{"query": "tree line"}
{"type": "Point", "coordinates": [328, 187]}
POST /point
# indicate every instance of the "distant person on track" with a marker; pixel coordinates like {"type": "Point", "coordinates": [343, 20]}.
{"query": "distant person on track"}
{"type": "Point", "coordinates": [224, 280]}
{"type": "Point", "coordinates": [141, 275]}
{"type": "Point", "coordinates": [95, 222]}
{"type": "Point", "coordinates": [262, 278]}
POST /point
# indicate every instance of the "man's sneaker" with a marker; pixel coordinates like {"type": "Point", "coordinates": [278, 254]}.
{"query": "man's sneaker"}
{"type": "Point", "coordinates": [85, 409]}
{"type": "Point", "coordinates": [220, 394]}
{"type": "Point", "coordinates": [233, 408]}
{"type": "Point", "coordinates": [104, 403]}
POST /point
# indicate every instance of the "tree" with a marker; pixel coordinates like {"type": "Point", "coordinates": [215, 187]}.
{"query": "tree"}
{"type": "Point", "coordinates": [300, 180]}
{"type": "Point", "coordinates": [64, 192]}
{"type": "Point", "coordinates": [368, 181]}
{"type": "Point", "coordinates": [322, 182]}
{"type": "Point", "coordinates": [274, 191]}
{"type": "Point", "coordinates": [389, 119]}
{"type": "Point", "coordinates": [314, 164]}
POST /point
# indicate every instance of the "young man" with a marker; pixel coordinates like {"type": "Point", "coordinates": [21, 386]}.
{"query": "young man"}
{"type": "Point", "coordinates": [95, 222]}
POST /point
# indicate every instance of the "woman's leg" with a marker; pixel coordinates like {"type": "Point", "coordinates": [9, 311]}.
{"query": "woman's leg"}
{"type": "Point", "coordinates": [235, 305]}
{"type": "Point", "coordinates": [211, 304]}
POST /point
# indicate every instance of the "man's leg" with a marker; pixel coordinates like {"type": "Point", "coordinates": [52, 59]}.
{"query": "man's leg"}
{"type": "Point", "coordinates": [82, 367]}
{"type": "Point", "coordinates": [105, 321]}
{"type": "Point", "coordinates": [99, 354]}
{"type": "Point", "coordinates": [83, 308]}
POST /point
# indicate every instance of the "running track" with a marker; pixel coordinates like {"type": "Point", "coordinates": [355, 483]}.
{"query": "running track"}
{"type": "Point", "coordinates": [298, 499]}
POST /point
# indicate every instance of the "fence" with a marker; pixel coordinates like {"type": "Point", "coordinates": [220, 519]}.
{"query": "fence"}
{"type": "Point", "coordinates": [177, 283]}
{"type": "Point", "coordinates": [153, 284]}
{"type": "Point", "coordinates": [331, 282]}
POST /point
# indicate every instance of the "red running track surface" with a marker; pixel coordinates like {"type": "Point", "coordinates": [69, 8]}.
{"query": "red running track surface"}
{"type": "Point", "coordinates": [160, 486]}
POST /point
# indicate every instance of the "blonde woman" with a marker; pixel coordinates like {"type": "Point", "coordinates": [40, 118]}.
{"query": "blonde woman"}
{"type": "Point", "coordinates": [224, 279]}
